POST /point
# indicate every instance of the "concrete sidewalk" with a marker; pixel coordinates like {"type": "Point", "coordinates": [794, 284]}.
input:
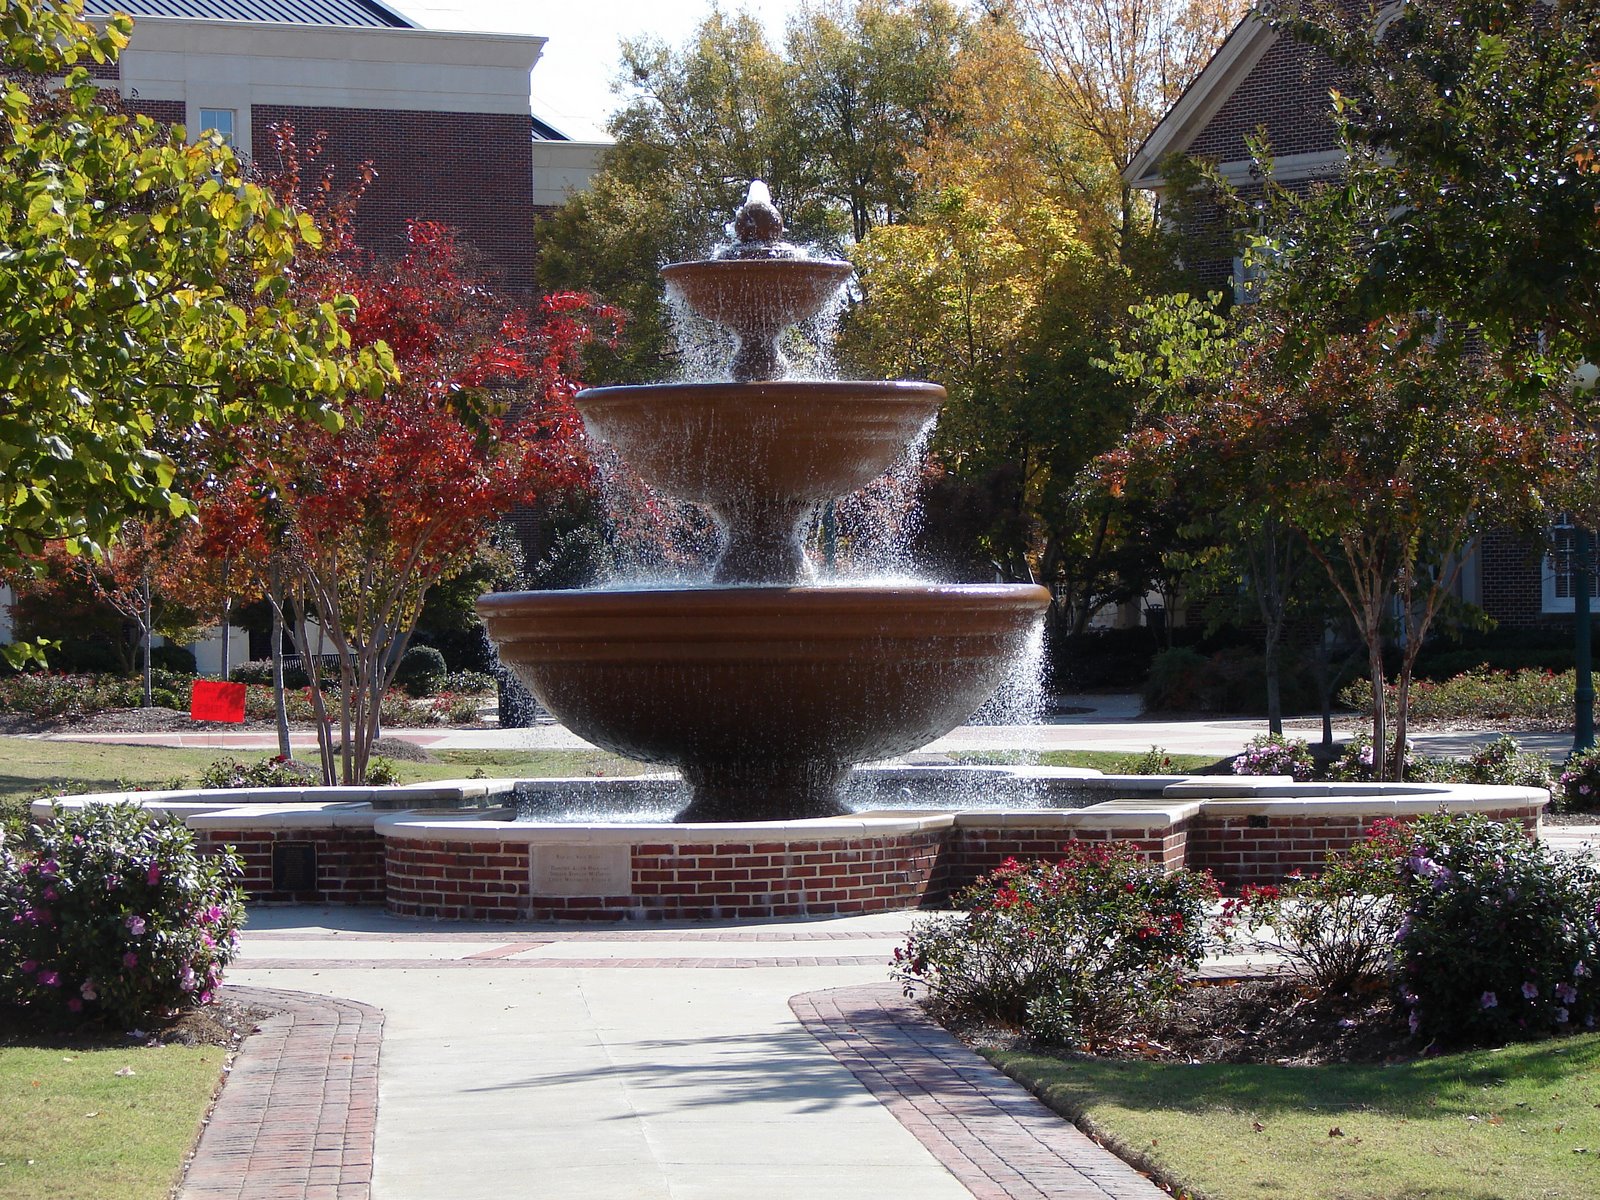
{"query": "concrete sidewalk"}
{"type": "Point", "coordinates": [704, 1063]}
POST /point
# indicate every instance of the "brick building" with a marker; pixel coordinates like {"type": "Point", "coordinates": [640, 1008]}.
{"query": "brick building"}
{"type": "Point", "coordinates": [1260, 79]}
{"type": "Point", "coordinates": [444, 117]}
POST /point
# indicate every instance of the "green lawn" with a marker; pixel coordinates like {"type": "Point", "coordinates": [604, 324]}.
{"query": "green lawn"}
{"type": "Point", "coordinates": [1522, 1123]}
{"type": "Point", "coordinates": [29, 766]}
{"type": "Point", "coordinates": [73, 1127]}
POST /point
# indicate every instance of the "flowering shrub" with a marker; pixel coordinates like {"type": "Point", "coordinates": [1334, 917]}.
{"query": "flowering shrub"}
{"type": "Point", "coordinates": [1273, 754]}
{"type": "Point", "coordinates": [1504, 761]}
{"type": "Point", "coordinates": [53, 696]}
{"type": "Point", "coordinates": [1154, 761]}
{"type": "Point", "coordinates": [276, 771]}
{"type": "Point", "coordinates": [1072, 951]}
{"type": "Point", "coordinates": [449, 708]}
{"type": "Point", "coordinates": [109, 911]}
{"type": "Point", "coordinates": [397, 709]}
{"type": "Point", "coordinates": [1528, 695]}
{"type": "Point", "coordinates": [1498, 937]}
{"type": "Point", "coordinates": [382, 773]}
{"type": "Point", "coordinates": [1580, 781]}
{"type": "Point", "coordinates": [1335, 928]}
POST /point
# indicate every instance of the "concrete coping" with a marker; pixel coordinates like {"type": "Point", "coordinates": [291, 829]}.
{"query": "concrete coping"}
{"type": "Point", "coordinates": [1111, 814]}
{"type": "Point", "coordinates": [471, 827]}
{"type": "Point", "coordinates": [1379, 801]}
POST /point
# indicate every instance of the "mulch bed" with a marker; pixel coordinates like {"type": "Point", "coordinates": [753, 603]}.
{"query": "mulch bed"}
{"type": "Point", "coordinates": [1272, 1020]}
{"type": "Point", "coordinates": [224, 1023]}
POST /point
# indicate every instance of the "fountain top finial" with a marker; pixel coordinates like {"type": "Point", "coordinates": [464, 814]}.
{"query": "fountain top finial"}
{"type": "Point", "coordinates": [758, 226]}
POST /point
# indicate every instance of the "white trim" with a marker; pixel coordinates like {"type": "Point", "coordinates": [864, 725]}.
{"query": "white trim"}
{"type": "Point", "coordinates": [235, 64]}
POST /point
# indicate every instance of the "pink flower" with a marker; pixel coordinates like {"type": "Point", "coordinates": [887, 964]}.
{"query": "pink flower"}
{"type": "Point", "coordinates": [1488, 1000]}
{"type": "Point", "coordinates": [153, 875]}
{"type": "Point", "coordinates": [49, 979]}
{"type": "Point", "coordinates": [1530, 991]}
{"type": "Point", "coordinates": [205, 997]}
{"type": "Point", "coordinates": [49, 868]}
{"type": "Point", "coordinates": [1562, 1016]}
{"type": "Point", "coordinates": [50, 894]}
{"type": "Point", "coordinates": [86, 990]}
{"type": "Point", "coordinates": [74, 1004]}
{"type": "Point", "coordinates": [135, 925]}
{"type": "Point", "coordinates": [130, 959]}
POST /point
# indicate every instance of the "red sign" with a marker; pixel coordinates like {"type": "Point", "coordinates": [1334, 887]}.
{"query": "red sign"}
{"type": "Point", "coordinates": [211, 700]}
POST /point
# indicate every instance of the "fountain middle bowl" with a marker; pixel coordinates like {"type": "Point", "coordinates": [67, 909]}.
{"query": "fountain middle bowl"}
{"type": "Point", "coordinates": [795, 440]}
{"type": "Point", "coordinates": [764, 696]}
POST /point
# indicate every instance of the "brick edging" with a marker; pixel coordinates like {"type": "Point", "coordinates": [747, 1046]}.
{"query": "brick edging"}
{"type": "Point", "coordinates": [990, 1133]}
{"type": "Point", "coordinates": [297, 1113]}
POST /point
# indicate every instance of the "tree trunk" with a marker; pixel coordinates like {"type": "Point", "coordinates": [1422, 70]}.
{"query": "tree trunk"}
{"type": "Point", "coordinates": [227, 609]}
{"type": "Point", "coordinates": [1270, 665]}
{"type": "Point", "coordinates": [1380, 716]}
{"type": "Point", "coordinates": [279, 704]}
{"type": "Point", "coordinates": [146, 626]}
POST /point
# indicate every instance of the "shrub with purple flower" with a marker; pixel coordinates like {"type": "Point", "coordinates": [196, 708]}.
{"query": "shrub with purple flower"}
{"type": "Point", "coordinates": [1071, 951]}
{"type": "Point", "coordinates": [109, 912]}
{"type": "Point", "coordinates": [1274, 754]}
{"type": "Point", "coordinates": [1498, 935]}
{"type": "Point", "coordinates": [1580, 782]}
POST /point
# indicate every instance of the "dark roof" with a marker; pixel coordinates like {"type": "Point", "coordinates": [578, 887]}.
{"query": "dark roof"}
{"type": "Point", "coordinates": [288, 12]}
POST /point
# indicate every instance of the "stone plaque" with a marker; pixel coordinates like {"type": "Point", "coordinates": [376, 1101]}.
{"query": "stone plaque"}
{"type": "Point", "coordinates": [582, 870]}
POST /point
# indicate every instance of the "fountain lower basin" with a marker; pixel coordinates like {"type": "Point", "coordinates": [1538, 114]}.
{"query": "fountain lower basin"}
{"type": "Point", "coordinates": [764, 696]}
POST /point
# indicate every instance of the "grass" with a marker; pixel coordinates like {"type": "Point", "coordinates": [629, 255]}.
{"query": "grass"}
{"type": "Point", "coordinates": [1520, 1123]}
{"type": "Point", "coordinates": [1112, 762]}
{"type": "Point", "coordinates": [75, 1128]}
{"type": "Point", "coordinates": [29, 766]}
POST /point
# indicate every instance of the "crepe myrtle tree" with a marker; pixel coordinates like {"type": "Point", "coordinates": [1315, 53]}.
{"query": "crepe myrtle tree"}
{"type": "Point", "coordinates": [142, 290]}
{"type": "Point", "coordinates": [368, 516]}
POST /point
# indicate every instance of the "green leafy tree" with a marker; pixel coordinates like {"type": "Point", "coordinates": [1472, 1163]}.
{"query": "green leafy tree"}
{"type": "Point", "coordinates": [829, 121]}
{"type": "Point", "coordinates": [141, 293]}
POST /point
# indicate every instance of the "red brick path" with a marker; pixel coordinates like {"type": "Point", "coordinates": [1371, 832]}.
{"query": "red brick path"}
{"type": "Point", "coordinates": [296, 1119]}
{"type": "Point", "coordinates": [989, 1133]}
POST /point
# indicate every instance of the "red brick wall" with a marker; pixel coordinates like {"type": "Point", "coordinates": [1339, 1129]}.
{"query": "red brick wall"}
{"type": "Point", "coordinates": [1257, 850]}
{"type": "Point", "coordinates": [350, 868]}
{"type": "Point", "coordinates": [1286, 91]}
{"type": "Point", "coordinates": [471, 171]}
{"type": "Point", "coordinates": [478, 880]}
{"type": "Point", "coordinates": [1512, 591]}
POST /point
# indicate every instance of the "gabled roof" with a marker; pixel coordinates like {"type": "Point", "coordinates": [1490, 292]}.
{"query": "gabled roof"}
{"type": "Point", "coordinates": [369, 13]}
{"type": "Point", "coordinates": [1229, 66]}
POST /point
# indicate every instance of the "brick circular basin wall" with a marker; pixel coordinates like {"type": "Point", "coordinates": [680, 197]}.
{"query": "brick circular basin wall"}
{"type": "Point", "coordinates": [478, 866]}
{"type": "Point", "coordinates": [726, 872]}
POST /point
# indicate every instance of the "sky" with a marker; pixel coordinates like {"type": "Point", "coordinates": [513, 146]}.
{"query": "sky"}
{"type": "Point", "coordinates": [572, 81]}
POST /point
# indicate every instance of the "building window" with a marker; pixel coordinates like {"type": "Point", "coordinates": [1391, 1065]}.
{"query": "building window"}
{"type": "Point", "coordinates": [1556, 577]}
{"type": "Point", "coordinates": [1247, 278]}
{"type": "Point", "coordinates": [219, 121]}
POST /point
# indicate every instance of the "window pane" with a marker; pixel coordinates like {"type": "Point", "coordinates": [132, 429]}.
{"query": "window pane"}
{"type": "Point", "coordinates": [219, 120]}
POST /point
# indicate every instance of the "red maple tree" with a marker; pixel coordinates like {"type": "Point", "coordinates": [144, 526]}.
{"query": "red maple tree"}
{"type": "Point", "coordinates": [477, 420]}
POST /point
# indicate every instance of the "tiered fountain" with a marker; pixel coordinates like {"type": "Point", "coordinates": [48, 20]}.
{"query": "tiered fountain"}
{"type": "Point", "coordinates": [765, 687]}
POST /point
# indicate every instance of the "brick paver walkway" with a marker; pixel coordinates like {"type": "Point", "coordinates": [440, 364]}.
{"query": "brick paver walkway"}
{"type": "Point", "coordinates": [297, 1117]}
{"type": "Point", "coordinates": [295, 1120]}
{"type": "Point", "coordinates": [992, 1135]}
